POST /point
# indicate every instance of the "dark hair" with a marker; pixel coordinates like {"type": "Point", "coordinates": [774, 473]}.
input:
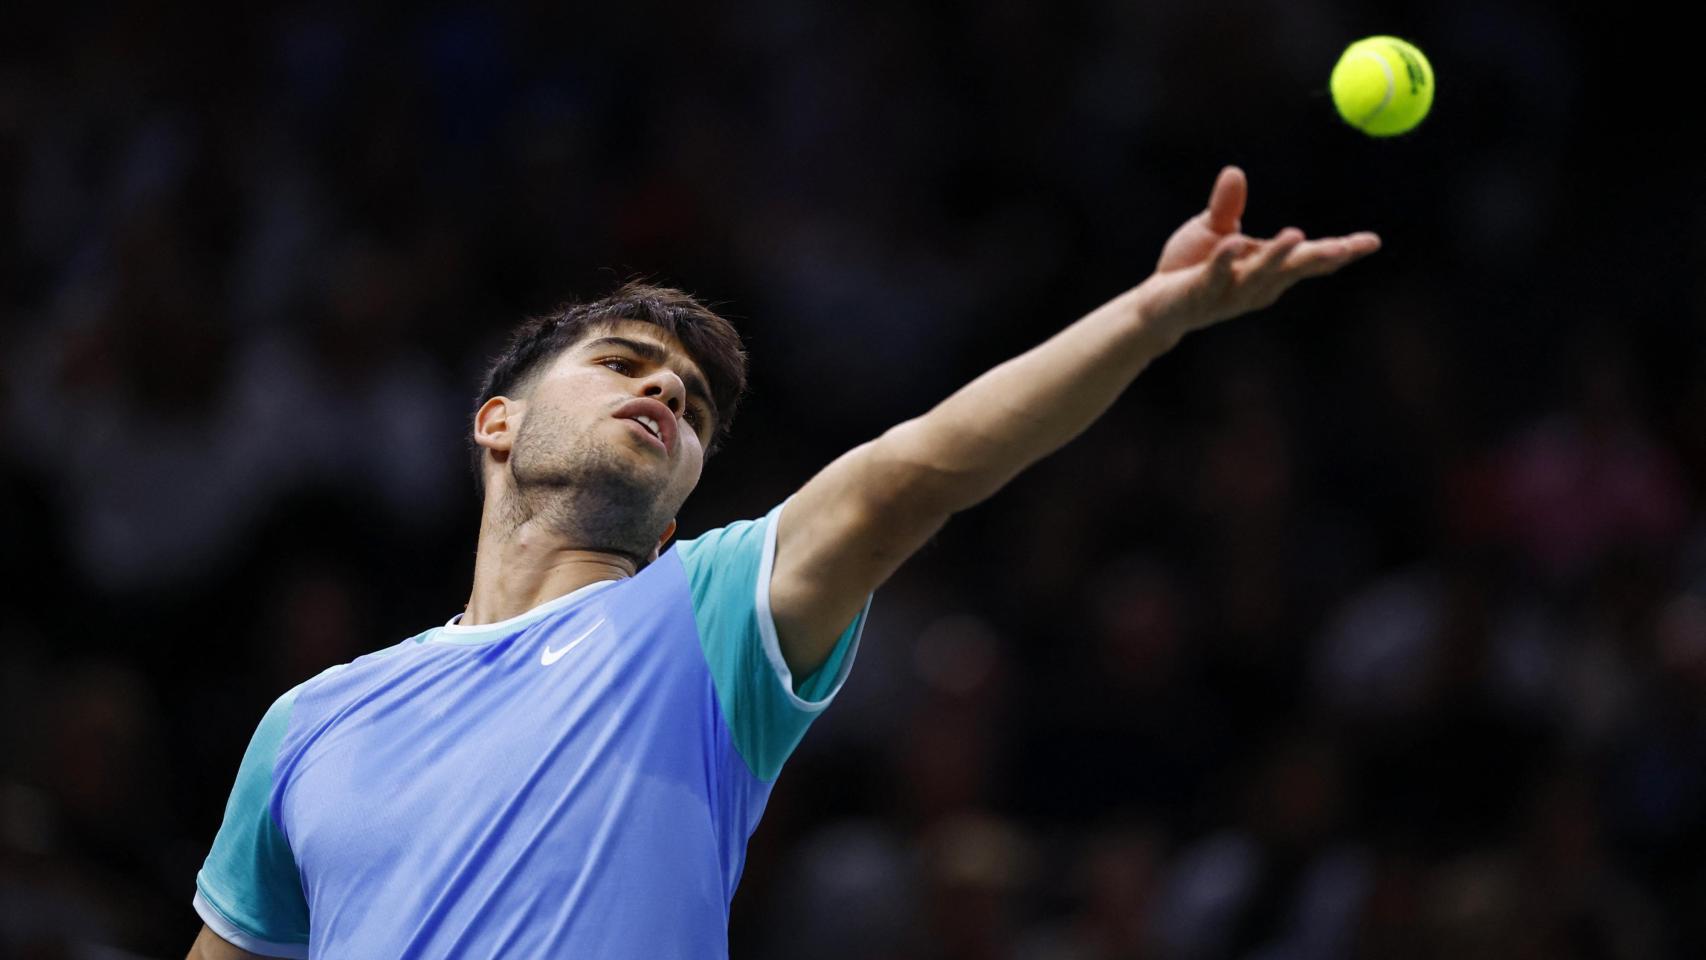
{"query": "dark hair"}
{"type": "Point", "coordinates": [710, 341]}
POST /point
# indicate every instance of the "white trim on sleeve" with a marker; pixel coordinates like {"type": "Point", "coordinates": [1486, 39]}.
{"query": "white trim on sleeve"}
{"type": "Point", "coordinates": [229, 932]}
{"type": "Point", "coordinates": [773, 643]}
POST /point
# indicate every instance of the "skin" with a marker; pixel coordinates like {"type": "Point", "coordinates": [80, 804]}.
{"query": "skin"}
{"type": "Point", "coordinates": [557, 457]}
{"type": "Point", "coordinates": [854, 523]}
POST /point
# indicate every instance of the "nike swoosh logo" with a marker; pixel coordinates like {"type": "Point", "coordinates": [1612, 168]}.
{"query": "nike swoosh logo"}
{"type": "Point", "coordinates": [547, 656]}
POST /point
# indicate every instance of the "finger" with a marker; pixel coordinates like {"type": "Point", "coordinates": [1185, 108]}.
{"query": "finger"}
{"type": "Point", "coordinates": [1226, 201]}
{"type": "Point", "coordinates": [1272, 256]}
{"type": "Point", "coordinates": [1225, 254]}
{"type": "Point", "coordinates": [1320, 257]}
{"type": "Point", "coordinates": [1364, 242]}
{"type": "Point", "coordinates": [1357, 244]}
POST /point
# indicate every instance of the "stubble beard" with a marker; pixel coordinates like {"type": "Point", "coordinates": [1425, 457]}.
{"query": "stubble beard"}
{"type": "Point", "coordinates": [581, 489]}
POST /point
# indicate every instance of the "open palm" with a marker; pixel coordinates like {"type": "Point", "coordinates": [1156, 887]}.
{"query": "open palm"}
{"type": "Point", "coordinates": [1210, 272]}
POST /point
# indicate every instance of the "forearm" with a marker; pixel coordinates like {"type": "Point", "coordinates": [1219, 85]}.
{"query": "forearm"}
{"type": "Point", "coordinates": [974, 442]}
{"type": "Point", "coordinates": [857, 521]}
{"type": "Point", "coordinates": [851, 526]}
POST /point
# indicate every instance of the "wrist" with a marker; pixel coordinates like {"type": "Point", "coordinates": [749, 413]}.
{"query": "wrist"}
{"type": "Point", "coordinates": [1157, 321]}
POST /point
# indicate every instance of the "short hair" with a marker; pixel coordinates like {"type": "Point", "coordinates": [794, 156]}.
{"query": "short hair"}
{"type": "Point", "coordinates": [710, 340]}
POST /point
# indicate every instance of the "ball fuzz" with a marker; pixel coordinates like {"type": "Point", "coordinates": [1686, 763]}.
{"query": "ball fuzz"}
{"type": "Point", "coordinates": [1383, 86]}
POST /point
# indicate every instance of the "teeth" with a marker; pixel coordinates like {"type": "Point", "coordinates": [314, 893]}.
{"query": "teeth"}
{"type": "Point", "coordinates": [651, 425]}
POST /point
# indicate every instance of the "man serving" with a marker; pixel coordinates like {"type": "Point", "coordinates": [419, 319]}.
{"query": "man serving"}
{"type": "Point", "coordinates": [572, 765]}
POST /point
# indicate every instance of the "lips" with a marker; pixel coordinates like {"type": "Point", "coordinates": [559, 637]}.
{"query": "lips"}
{"type": "Point", "coordinates": [652, 417]}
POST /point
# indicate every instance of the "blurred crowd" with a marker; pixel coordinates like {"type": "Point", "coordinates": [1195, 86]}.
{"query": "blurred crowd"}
{"type": "Point", "coordinates": [1374, 626]}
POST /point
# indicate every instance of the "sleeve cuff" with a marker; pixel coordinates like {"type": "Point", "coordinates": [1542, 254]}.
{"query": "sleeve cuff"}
{"type": "Point", "coordinates": [232, 934]}
{"type": "Point", "coordinates": [840, 659]}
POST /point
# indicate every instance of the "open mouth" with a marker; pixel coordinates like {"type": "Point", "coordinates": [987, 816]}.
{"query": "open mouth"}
{"type": "Point", "coordinates": [650, 425]}
{"type": "Point", "coordinates": [652, 417]}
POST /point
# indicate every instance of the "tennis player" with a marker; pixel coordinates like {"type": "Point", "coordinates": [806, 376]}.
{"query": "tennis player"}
{"type": "Point", "coordinates": [572, 766]}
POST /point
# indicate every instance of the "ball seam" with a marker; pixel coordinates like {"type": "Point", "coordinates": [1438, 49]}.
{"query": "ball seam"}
{"type": "Point", "coordinates": [1391, 87]}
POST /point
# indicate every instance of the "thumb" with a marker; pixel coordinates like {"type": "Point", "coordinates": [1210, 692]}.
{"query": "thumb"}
{"type": "Point", "coordinates": [1226, 202]}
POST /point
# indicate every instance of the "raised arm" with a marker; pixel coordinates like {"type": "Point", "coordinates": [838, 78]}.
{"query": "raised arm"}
{"type": "Point", "coordinates": [851, 526]}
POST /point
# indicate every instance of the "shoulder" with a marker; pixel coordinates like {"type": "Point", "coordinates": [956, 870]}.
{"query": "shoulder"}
{"type": "Point", "coordinates": [748, 540]}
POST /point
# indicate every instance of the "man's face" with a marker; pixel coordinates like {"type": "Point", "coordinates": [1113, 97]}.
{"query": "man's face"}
{"type": "Point", "coordinates": [613, 434]}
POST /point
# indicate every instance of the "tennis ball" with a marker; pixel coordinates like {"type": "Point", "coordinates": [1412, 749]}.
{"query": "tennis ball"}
{"type": "Point", "coordinates": [1383, 86]}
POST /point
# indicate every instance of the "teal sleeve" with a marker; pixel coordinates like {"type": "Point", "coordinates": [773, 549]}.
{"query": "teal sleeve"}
{"type": "Point", "coordinates": [249, 890]}
{"type": "Point", "coordinates": [766, 708]}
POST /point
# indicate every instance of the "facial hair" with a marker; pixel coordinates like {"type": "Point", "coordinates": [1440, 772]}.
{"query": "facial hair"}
{"type": "Point", "coordinates": [579, 486]}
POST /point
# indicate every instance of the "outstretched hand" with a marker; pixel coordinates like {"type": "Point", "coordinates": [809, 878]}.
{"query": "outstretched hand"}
{"type": "Point", "coordinates": [853, 524]}
{"type": "Point", "coordinates": [1210, 272]}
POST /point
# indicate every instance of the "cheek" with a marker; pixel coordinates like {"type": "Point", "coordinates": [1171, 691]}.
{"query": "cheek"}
{"type": "Point", "coordinates": [547, 435]}
{"type": "Point", "coordinates": [537, 430]}
{"type": "Point", "coordinates": [692, 466]}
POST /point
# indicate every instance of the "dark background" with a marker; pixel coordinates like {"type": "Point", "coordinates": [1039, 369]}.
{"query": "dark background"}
{"type": "Point", "coordinates": [1371, 626]}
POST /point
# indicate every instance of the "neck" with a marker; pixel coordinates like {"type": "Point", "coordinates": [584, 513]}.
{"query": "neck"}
{"type": "Point", "coordinates": [523, 563]}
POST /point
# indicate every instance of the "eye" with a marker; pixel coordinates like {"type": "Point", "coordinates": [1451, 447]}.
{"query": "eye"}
{"type": "Point", "coordinates": [621, 365]}
{"type": "Point", "coordinates": [694, 416]}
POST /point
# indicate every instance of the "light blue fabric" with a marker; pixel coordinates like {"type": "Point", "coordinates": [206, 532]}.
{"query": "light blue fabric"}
{"type": "Point", "coordinates": [564, 783]}
{"type": "Point", "coordinates": [250, 876]}
{"type": "Point", "coordinates": [767, 709]}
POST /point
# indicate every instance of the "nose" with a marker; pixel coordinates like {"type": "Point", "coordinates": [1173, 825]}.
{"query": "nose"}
{"type": "Point", "coordinates": [665, 386]}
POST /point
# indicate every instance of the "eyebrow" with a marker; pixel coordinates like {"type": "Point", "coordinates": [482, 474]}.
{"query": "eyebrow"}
{"type": "Point", "coordinates": [657, 354]}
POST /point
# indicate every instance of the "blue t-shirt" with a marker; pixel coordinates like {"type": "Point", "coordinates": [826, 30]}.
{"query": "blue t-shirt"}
{"type": "Point", "coordinates": [577, 781]}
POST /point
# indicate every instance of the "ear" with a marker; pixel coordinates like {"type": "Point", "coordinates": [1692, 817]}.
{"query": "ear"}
{"type": "Point", "coordinates": [668, 532]}
{"type": "Point", "coordinates": [496, 424]}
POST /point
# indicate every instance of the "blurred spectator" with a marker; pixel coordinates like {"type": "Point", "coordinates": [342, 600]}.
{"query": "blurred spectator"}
{"type": "Point", "coordinates": [1371, 627]}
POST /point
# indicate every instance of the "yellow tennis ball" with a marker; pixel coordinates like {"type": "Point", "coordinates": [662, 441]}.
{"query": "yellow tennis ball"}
{"type": "Point", "coordinates": [1383, 86]}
